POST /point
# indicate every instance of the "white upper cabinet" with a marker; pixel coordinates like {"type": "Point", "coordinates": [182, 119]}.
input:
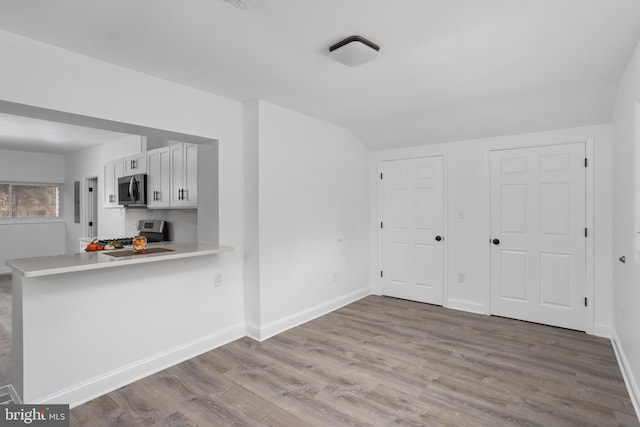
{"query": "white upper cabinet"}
{"type": "Point", "coordinates": [158, 178]}
{"type": "Point", "coordinates": [135, 164]}
{"type": "Point", "coordinates": [184, 175]}
{"type": "Point", "coordinates": [112, 171]}
{"type": "Point", "coordinates": [172, 176]}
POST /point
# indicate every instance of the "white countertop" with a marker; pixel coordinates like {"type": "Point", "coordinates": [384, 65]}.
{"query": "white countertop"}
{"type": "Point", "coordinates": [48, 265]}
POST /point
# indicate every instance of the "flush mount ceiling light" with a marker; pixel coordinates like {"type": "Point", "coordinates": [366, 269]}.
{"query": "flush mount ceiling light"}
{"type": "Point", "coordinates": [242, 4]}
{"type": "Point", "coordinates": [354, 50]}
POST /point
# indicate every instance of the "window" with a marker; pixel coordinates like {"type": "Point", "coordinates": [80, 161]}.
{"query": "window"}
{"type": "Point", "coordinates": [30, 201]}
{"type": "Point", "coordinates": [5, 212]}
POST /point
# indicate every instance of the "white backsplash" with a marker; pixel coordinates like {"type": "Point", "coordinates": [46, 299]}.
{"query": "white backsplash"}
{"type": "Point", "coordinates": [183, 223]}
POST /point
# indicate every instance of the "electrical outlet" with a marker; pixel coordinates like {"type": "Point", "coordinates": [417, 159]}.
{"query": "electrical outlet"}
{"type": "Point", "coordinates": [218, 280]}
{"type": "Point", "coordinates": [461, 214]}
{"type": "Point", "coordinates": [462, 277]}
{"type": "Point", "coordinates": [334, 277]}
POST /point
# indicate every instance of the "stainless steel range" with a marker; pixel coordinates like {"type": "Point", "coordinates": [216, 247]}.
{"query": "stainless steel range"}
{"type": "Point", "coordinates": [155, 230]}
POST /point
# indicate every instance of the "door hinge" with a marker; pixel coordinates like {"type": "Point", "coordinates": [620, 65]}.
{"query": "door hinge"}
{"type": "Point", "coordinates": [381, 273]}
{"type": "Point", "coordinates": [585, 301]}
{"type": "Point", "coordinates": [90, 189]}
{"type": "Point", "coordinates": [586, 232]}
{"type": "Point", "coordinates": [586, 162]}
{"type": "Point", "coordinates": [381, 224]}
{"type": "Point", "coordinates": [380, 175]}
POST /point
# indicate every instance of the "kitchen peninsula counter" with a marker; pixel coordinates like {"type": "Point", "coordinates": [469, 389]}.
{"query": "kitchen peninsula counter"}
{"type": "Point", "coordinates": [87, 323]}
{"type": "Point", "coordinates": [60, 264]}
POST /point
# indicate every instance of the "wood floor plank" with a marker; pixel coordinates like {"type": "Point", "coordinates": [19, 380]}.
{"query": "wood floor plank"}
{"type": "Point", "coordinates": [382, 361]}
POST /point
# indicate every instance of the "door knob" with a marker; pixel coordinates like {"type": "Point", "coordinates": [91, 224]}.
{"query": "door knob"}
{"type": "Point", "coordinates": [438, 238]}
{"type": "Point", "coordinates": [496, 241]}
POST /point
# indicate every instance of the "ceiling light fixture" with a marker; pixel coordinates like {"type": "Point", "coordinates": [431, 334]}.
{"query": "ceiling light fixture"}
{"type": "Point", "coordinates": [354, 50]}
{"type": "Point", "coordinates": [242, 4]}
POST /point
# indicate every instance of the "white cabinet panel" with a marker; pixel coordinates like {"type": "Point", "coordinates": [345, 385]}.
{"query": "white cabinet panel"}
{"type": "Point", "coordinates": [112, 171]}
{"type": "Point", "coordinates": [184, 175]}
{"type": "Point", "coordinates": [158, 178]}
{"type": "Point", "coordinates": [135, 164]}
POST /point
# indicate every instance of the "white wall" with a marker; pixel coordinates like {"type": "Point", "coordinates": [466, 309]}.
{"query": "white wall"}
{"type": "Point", "coordinates": [626, 277]}
{"type": "Point", "coordinates": [104, 329]}
{"type": "Point", "coordinates": [20, 240]}
{"type": "Point", "coordinates": [312, 218]}
{"type": "Point", "coordinates": [467, 240]}
{"type": "Point", "coordinates": [36, 74]}
{"type": "Point", "coordinates": [22, 166]}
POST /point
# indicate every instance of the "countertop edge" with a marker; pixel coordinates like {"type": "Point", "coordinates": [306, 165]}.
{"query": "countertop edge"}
{"type": "Point", "coordinates": [201, 250]}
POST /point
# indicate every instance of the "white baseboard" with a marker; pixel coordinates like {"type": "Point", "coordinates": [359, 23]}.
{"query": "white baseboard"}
{"type": "Point", "coordinates": [601, 330]}
{"type": "Point", "coordinates": [253, 331]}
{"type": "Point", "coordinates": [627, 373]}
{"type": "Point", "coordinates": [88, 390]}
{"type": "Point", "coordinates": [268, 330]}
{"type": "Point", "coordinates": [464, 305]}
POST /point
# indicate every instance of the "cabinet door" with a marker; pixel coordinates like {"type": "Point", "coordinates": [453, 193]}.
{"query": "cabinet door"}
{"type": "Point", "coordinates": [135, 164]}
{"type": "Point", "coordinates": [112, 171]}
{"type": "Point", "coordinates": [177, 166]}
{"type": "Point", "coordinates": [110, 197]}
{"type": "Point", "coordinates": [118, 167]}
{"type": "Point", "coordinates": [158, 178]}
{"type": "Point", "coordinates": [190, 171]}
{"type": "Point", "coordinates": [184, 175]}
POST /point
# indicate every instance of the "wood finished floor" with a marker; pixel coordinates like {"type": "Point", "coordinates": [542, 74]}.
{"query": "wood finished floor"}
{"type": "Point", "coordinates": [381, 362]}
{"type": "Point", "coordinates": [5, 329]}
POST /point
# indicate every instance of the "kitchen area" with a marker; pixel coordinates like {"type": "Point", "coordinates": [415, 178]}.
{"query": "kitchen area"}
{"type": "Point", "coordinates": [140, 223]}
{"type": "Point", "coordinates": [155, 186]}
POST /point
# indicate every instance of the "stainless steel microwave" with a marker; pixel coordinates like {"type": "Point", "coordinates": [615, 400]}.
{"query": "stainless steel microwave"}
{"type": "Point", "coordinates": [132, 191]}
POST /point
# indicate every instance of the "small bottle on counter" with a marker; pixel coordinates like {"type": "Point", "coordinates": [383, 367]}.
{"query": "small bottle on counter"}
{"type": "Point", "coordinates": [140, 244]}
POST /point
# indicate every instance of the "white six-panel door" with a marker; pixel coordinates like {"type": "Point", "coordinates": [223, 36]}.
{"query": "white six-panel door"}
{"type": "Point", "coordinates": [412, 229]}
{"type": "Point", "coordinates": [538, 244]}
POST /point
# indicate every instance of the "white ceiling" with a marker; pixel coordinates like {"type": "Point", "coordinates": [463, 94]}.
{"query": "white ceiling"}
{"type": "Point", "coordinates": [43, 136]}
{"type": "Point", "coordinates": [449, 69]}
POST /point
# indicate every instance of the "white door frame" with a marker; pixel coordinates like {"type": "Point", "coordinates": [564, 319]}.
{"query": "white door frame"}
{"type": "Point", "coordinates": [85, 201]}
{"type": "Point", "coordinates": [589, 214]}
{"type": "Point", "coordinates": [445, 217]}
